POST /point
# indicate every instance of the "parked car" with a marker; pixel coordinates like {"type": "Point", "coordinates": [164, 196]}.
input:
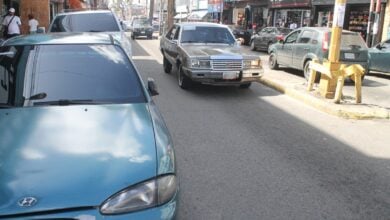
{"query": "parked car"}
{"type": "Point", "coordinates": [208, 53]}
{"type": "Point", "coordinates": [263, 39]}
{"type": "Point", "coordinates": [244, 35]}
{"type": "Point", "coordinates": [91, 21]}
{"type": "Point", "coordinates": [80, 137]}
{"type": "Point", "coordinates": [379, 57]}
{"type": "Point", "coordinates": [303, 45]}
{"type": "Point", "coordinates": [140, 26]}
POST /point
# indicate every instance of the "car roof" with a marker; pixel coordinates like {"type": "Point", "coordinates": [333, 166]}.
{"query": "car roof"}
{"type": "Point", "coordinates": [85, 12]}
{"type": "Point", "coordinates": [62, 38]}
{"type": "Point", "coordinates": [324, 29]}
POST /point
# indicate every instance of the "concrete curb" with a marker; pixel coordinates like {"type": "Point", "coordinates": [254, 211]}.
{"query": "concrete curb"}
{"type": "Point", "coordinates": [346, 110]}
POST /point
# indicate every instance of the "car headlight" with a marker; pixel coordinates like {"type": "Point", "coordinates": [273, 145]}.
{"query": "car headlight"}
{"type": "Point", "coordinates": [204, 64]}
{"type": "Point", "coordinates": [252, 63]}
{"type": "Point", "coordinates": [145, 195]}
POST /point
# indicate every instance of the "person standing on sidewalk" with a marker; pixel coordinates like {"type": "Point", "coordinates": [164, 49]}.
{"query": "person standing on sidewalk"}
{"type": "Point", "coordinates": [11, 24]}
{"type": "Point", "coordinates": [33, 24]}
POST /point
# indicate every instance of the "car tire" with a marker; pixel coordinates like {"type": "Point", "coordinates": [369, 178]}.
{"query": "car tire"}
{"type": "Point", "coordinates": [167, 65]}
{"type": "Point", "coordinates": [184, 81]}
{"type": "Point", "coordinates": [245, 85]}
{"type": "Point", "coordinates": [253, 47]}
{"type": "Point", "coordinates": [272, 62]}
{"type": "Point", "coordinates": [306, 72]}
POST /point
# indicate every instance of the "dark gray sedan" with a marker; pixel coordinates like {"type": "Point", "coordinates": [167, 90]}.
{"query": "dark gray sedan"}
{"type": "Point", "coordinates": [268, 36]}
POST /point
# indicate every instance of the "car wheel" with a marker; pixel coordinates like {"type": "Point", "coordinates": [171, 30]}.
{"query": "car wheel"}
{"type": "Point", "coordinates": [273, 63]}
{"type": "Point", "coordinates": [306, 72]}
{"type": "Point", "coordinates": [245, 85]}
{"type": "Point", "coordinates": [167, 65]}
{"type": "Point", "coordinates": [184, 81]}
{"type": "Point", "coordinates": [253, 47]}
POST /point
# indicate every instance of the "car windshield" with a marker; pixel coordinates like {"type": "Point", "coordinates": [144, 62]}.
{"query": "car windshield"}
{"type": "Point", "coordinates": [199, 34]}
{"type": "Point", "coordinates": [89, 22]}
{"type": "Point", "coordinates": [67, 74]}
{"type": "Point", "coordinates": [142, 22]}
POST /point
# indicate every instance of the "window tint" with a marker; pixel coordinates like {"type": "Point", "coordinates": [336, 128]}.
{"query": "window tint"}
{"type": "Point", "coordinates": [306, 36]}
{"type": "Point", "coordinates": [177, 33]}
{"type": "Point", "coordinates": [86, 72]}
{"type": "Point", "coordinates": [93, 22]}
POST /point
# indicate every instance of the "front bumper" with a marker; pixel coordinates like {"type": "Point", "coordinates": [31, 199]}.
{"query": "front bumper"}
{"type": "Point", "coordinates": [216, 77]}
{"type": "Point", "coordinates": [165, 212]}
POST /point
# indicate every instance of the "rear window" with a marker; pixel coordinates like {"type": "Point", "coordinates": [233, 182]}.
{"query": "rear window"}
{"type": "Point", "coordinates": [284, 31]}
{"type": "Point", "coordinates": [91, 22]}
{"type": "Point", "coordinates": [350, 40]}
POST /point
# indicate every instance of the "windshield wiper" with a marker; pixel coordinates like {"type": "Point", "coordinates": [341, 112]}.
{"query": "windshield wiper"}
{"type": "Point", "coordinates": [63, 102]}
{"type": "Point", "coordinates": [6, 106]}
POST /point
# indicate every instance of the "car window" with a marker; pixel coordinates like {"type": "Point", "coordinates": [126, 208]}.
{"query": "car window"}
{"type": "Point", "coordinates": [284, 31]}
{"type": "Point", "coordinates": [203, 34]}
{"type": "Point", "coordinates": [89, 22]}
{"type": "Point", "coordinates": [171, 34]}
{"type": "Point", "coordinates": [292, 38]}
{"type": "Point", "coordinates": [351, 39]}
{"type": "Point", "coordinates": [176, 37]}
{"type": "Point", "coordinates": [101, 73]}
{"type": "Point", "coordinates": [305, 37]}
{"type": "Point", "coordinates": [13, 60]}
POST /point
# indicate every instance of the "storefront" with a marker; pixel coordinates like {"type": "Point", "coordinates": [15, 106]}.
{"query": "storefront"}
{"type": "Point", "coordinates": [289, 13]}
{"type": "Point", "coordinates": [248, 14]}
{"type": "Point", "coordinates": [356, 15]}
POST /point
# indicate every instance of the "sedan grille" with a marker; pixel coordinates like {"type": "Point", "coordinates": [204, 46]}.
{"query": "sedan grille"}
{"type": "Point", "coordinates": [227, 64]}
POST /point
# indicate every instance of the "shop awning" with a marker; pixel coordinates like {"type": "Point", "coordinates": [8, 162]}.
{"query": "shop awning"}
{"type": "Point", "coordinates": [180, 16]}
{"type": "Point", "coordinates": [197, 15]}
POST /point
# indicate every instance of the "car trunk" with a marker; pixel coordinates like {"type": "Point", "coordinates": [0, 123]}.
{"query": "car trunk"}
{"type": "Point", "coordinates": [352, 48]}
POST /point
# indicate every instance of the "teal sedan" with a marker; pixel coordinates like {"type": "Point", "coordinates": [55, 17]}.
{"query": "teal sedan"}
{"type": "Point", "coordinates": [80, 136]}
{"type": "Point", "coordinates": [379, 57]}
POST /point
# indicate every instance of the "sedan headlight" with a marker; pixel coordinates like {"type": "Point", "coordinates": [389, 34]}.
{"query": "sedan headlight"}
{"type": "Point", "coordinates": [252, 63]}
{"type": "Point", "coordinates": [201, 64]}
{"type": "Point", "coordinates": [148, 194]}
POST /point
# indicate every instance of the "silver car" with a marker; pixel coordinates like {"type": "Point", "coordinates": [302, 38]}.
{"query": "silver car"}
{"type": "Point", "coordinates": [208, 53]}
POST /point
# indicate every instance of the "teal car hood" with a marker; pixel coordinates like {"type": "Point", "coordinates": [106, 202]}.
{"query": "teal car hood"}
{"type": "Point", "coordinates": [73, 156]}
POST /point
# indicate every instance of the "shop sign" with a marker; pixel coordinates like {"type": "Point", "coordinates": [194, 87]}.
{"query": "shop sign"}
{"type": "Point", "coordinates": [288, 3]}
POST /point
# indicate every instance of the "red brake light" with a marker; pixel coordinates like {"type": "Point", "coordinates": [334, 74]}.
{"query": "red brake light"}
{"type": "Point", "coordinates": [325, 42]}
{"type": "Point", "coordinates": [279, 37]}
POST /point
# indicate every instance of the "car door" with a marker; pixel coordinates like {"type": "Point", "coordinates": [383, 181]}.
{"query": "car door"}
{"type": "Point", "coordinates": [170, 44]}
{"type": "Point", "coordinates": [259, 38]}
{"type": "Point", "coordinates": [302, 47]}
{"type": "Point", "coordinates": [380, 57]}
{"type": "Point", "coordinates": [285, 53]}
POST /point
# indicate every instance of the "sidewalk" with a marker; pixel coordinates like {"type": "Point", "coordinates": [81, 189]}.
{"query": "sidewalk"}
{"type": "Point", "coordinates": [375, 94]}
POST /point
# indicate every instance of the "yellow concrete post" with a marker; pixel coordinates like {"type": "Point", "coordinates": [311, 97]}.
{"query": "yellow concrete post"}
{"type": "Point", "coordinates": [328, 84]}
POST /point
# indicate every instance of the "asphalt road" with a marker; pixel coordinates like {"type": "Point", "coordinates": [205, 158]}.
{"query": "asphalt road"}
{"type": "Point", "coordinates": [256, 154]}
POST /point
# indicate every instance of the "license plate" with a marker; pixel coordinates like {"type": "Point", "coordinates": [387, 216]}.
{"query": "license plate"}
{"type": "Point", "coordinates": [229, 75]}
{"type": "Point", "coordinates": [241, 32]}
{"type": "Point", "coordinates": [142, 32]}
{"type": "Point", "coordinates": [349, 55]}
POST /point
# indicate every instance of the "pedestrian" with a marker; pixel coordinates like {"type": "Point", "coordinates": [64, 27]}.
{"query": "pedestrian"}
{"type": "Point", "coordinates": [33, 24]}
{"type": "Point", "coordinates": [11, 24]}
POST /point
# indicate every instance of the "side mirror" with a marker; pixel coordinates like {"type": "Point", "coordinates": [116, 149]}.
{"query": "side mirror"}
{"type": "Point", "coordinates": [175, 41]}
{"type": "Point", "coordinates": [281, 41]}
{"type": "Point", "coordinates": [152, 87]}
{"type": "Point", "coordinates": [379, 46]}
